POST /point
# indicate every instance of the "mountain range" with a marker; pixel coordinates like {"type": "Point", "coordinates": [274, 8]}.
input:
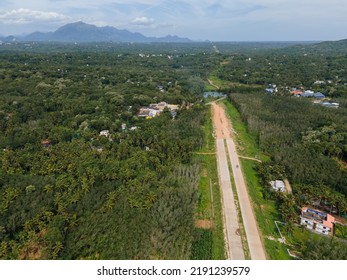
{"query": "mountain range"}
{"type": "Point", "coordinates": [80, 32]}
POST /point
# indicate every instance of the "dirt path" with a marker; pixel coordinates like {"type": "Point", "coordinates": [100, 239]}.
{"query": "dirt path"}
{"type": "Point", "coordinates": [288, 186]}
{"type": "Point", "coordinates": [250, 158]}
{"type": "Point", "coordinates": [223, 130]}
{"type": "Point", "coordinates": [212, 84]}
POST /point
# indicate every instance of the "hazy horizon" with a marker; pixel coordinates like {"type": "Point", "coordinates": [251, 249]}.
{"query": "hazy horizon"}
{"type": "Point", "coordinates": [239, 20]}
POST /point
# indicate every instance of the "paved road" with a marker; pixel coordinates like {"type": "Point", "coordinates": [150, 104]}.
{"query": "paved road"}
{"type": "Point", "coordinates": [223, 130]}
{"type": "Point", "coordinates": [232, 232]}
{"type": "Point", "coordinates": [253, 237]}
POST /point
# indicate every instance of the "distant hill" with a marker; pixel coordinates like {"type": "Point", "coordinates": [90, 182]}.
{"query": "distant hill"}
{"type": "Point", "coordinates": [326, 47]}
{"type": "Point", "coordinates": [81, 32]}
{"type": "Point", "coordinates": [8, 39]}
{"type": "Point", "coordinates": [340, 45]}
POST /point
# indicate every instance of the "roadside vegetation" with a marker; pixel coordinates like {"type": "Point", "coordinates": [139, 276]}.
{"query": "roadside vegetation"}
{"type": "Point", "coordinates": [293, 139]}
{"type": "Point", "coordinates": [265, 210]}
{"type": "Point", "coordinates": [209, 238]}
{"type": "Point", "coordinates": [270, 206]}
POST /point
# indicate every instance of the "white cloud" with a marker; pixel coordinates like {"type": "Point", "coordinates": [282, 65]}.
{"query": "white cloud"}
{"type": "Point", "coordinates": [144, 21]}
{"type": "Point", "coordinates": [210, 19]}
{"type": "Point", "coordinates": [25, 16]}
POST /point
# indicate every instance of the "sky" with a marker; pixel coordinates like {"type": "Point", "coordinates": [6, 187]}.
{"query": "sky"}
{"type": "Point", "coordinates": [223, 20]}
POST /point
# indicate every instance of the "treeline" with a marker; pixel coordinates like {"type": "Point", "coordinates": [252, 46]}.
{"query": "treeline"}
{"type": "Point", "coordinates": [53, 96]}
{"type": "Point", "coordinates": [306, 143]}
{"type": "Point", "coordinates": [67, 192]}
{"type": "Point", "coordinates": [288, 69]}
{"type": "Point", "coordinates": [133, 48]}
{"type": "Point", "coordinates": [317, 247]}
{"type": "Point", "coordinates": [135, 199]}
{"type": "Point", "coordinates": [309, 141]}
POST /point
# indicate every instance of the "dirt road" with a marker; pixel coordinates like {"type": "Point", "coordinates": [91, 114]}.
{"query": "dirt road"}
{"type": "Point", "coordinates": [223, 130]}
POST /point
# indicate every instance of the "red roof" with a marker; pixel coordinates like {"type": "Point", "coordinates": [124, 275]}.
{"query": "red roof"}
{"type": "Point", "coordinates": [45, 142]}
{"type": "Point", "coordinates": [329, 222]}
{"type": "Point", "coordinates": [296, 92]}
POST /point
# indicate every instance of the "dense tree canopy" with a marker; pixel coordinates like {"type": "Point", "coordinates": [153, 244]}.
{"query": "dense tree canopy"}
{"type": "Point", "coordinates": [309, 141]}
{"type": "Point", "coordinates": [67, 192]}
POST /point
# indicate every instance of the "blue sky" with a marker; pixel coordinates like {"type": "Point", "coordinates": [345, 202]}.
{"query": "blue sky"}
{"type": "Point", "coordinates": [223, 20]}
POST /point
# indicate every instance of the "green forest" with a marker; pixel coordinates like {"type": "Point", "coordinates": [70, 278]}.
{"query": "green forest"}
{"type": "Point", "coordinates": [309, 141]}
{"type": "Point", "coordinates": [305, 142]}
{"type": "Point", "coordinates": [68, 191]}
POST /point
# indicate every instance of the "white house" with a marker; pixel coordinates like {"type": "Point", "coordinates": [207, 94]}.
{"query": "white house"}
{"type": "Point", "coordinates": [317, 220]}
{"type": "Point", "coordinates": [278, 185]}
{"type": "Point", "coordinates": [148, 112]}
{"type": "Point", "coordinates": [105, 133]}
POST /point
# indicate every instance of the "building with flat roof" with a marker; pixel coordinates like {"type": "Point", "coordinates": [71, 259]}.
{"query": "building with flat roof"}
{"type": "Point", "coordinates": [317, 220]}
{"type": "Point", "coordinates": [278, 185]}
{"type": "Point", "coordinates": [154, 110]}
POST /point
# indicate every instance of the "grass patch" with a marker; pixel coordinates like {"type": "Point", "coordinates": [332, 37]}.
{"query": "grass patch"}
{"type": "Point", "coordinates": [265, 210]}
{"type": "Point", "coordinates": [209, 205]}
{"type": "Point", "coordinates": [246, 143]}
{"type": "Point", "coordinates": [209, 140]}
{"type": "Point", "coordinates": [204, 207]}
{"type": "Point", "coordinates": [276, 250]}
{"type": "Point", "coordinates": [216, 81]}
{"type": "Point", "coordinates": [209, 87]}
{"type": "Point", "coordinates": [209, 243]}
{"type": "Point", "coordinates": [340, 231]}
{"type": "Point", "coordinates": [202, 245]}
{"type": "Point", "coordinates": [222, 84]}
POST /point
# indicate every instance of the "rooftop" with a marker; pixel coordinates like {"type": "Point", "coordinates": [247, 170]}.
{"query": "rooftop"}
{"type": "Point", "coordinates": [277, 185]}
{"type": "Point", "coordinates": [318, 216]}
